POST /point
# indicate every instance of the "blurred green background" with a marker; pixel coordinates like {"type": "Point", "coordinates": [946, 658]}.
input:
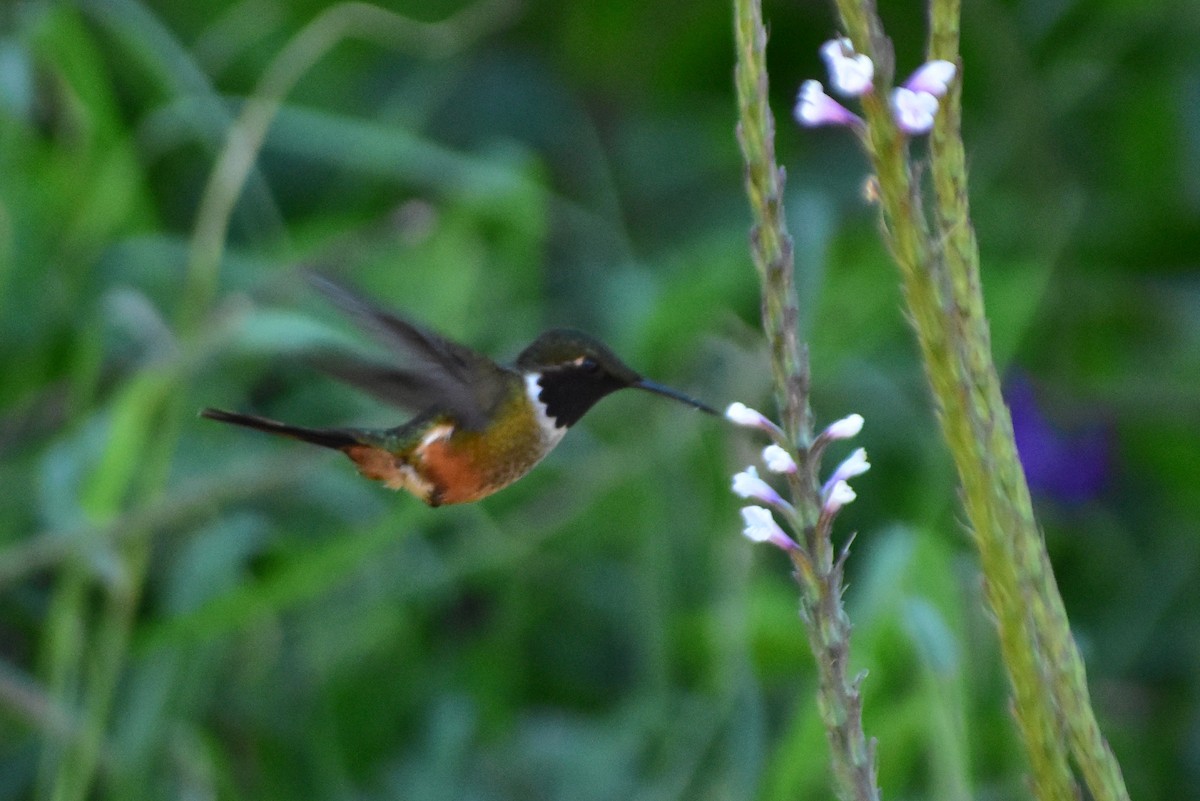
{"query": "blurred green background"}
{"type": "Point", "coordinates": [191, 611]}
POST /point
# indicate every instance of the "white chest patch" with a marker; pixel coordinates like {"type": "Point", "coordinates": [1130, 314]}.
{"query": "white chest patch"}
{"type": "Point", "coordinates": [551, 433]}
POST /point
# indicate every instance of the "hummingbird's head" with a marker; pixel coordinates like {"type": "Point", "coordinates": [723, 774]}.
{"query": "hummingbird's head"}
{"type": "Point", "coordinates": [575, 370]}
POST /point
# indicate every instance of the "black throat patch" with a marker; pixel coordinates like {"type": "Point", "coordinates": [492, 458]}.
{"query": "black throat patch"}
{"type": "Point", "coordinates": [568, 392]}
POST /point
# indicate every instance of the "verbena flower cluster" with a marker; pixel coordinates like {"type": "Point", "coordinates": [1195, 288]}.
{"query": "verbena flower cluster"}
{"type": "Point", "coordinates": [914, 104]}
{"type": "Point", "coordinates": [759, 521]}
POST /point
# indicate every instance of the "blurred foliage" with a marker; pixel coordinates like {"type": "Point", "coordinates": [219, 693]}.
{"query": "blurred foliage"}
{"type": "Point", "coordinates": [204, 613]}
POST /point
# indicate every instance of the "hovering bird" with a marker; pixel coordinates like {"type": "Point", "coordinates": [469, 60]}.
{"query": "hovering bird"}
{"type": "Point", "coordinates": [480, 425]}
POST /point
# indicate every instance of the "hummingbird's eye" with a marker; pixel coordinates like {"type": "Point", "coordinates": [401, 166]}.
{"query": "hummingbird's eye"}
{"type": "Point", "coordinates": [589, 365]}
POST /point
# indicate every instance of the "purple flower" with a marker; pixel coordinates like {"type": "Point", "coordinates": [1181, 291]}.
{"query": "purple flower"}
{"type": "Point", "coordinates": [814, 108]}
{"type": "Point", "coordinates": [850, 73]}
{"type": "Point", "coordinates": [1071, 467]}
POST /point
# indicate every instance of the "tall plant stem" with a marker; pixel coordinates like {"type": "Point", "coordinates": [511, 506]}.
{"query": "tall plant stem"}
{"type": "Point", "coordinates": [940, 269]}
{"type": "Point", "coordinates": [817, 572]}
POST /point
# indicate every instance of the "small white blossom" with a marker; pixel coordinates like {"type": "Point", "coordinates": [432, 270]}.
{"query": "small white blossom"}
{"type": "Point", "coordinates": [854, 465]}
{"type": "Point", "coordinates": [914, 111]}
{"type": "Point", "coordinates": [778, 460]}
{"type": "Point", "coordinates": [743, 415]}
{"type": "Point", "coordinates": [814, 107]}
{"type": "Point", "coordinates": [850, 73]}
{"type": "Point", "coordinates": [932, 77]}
{"type": "Point", "coordinates": [915, 104]}
{"type": "Point", "coordinates": [747, 484]}
{"type": "Point", "coordinates": [838, 496]}
{"type": "Point", "coordinates": [760, 526]}
{"type": "Point", "coordinates": [847, 427]}
{"type": "Point", "coordinates": [760, 523]}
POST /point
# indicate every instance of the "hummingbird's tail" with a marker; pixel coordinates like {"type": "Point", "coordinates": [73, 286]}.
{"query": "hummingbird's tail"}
{"type": "Point", "coordinates": [336, 438]}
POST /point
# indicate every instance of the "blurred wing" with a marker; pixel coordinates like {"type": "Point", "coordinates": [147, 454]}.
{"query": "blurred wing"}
{"type": "Point", "coordinates": [443, 374]}
{"type": "Point", "coordinates": [415, 390]}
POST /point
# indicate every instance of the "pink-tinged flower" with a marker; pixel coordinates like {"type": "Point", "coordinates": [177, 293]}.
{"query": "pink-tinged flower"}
{"type": "Point", "coordinates": [743, 415]}
{"type": "Point", "coordinates": [747, 484]}
{"type": "Point", "coordinates": [913, 111]}
{"type": "Point", "coordinates": [847, 427]}
{"type": "Point", "coordinates": [850, 73]}
{"type": "Point", "coordinates": [838, 496]}
{"type": "Point", "coordinates": [854, 465]}
{"type": "Point", "coordinates": [915, 104]}
{"type": "Point", "coordinates": [760, 526]}
{"type": "Point", "coordinates": [932, 77]}
{"type": "Point", "coordinates": [778, 460]}
{"type": "Point", "coordinates": [814, 108]}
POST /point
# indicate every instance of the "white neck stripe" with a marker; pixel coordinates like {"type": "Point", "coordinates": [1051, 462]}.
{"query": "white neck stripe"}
{"type": "Point", "coordinates": [551, 431]}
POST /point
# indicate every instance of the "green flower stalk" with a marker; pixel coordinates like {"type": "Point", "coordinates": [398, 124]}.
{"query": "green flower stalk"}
{"type": "Point", "coordinates": [938, 259]}
{"type": "Point", "coordinates": [795, 453]}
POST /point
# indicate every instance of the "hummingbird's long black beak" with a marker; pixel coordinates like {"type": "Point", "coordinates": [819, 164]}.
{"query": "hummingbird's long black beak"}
{"type": "Point", "coordinates": [667, 392]}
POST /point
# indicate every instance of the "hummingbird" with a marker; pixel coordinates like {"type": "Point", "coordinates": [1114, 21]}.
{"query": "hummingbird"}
{"type": "Point", "coordinates": [480, 425]}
